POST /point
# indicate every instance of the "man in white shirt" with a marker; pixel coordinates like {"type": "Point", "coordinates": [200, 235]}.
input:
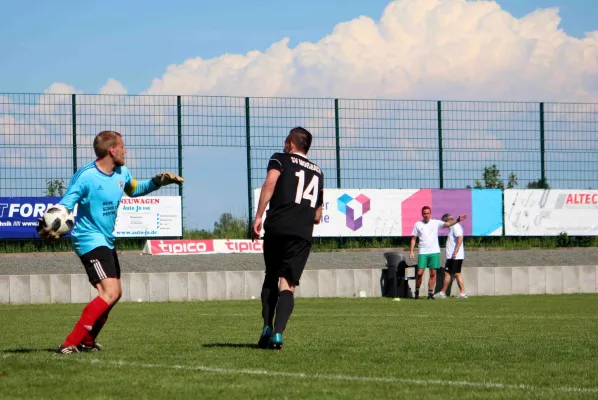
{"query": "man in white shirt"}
{"type": "Point", "coordinates": [429, 249]}
{"type": "Point", "coordinates": [455, 254]}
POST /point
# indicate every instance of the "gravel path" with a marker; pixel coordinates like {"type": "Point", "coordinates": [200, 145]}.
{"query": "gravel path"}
{"type": "Point", "coordinates": [68, 263]}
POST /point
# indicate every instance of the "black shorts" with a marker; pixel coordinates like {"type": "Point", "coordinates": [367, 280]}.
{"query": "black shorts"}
{"type": "Point", "coordinates": [286, 256]}
{"type": "Point", "coordinates": [453, 266]}
{"type": "Point", "coordinates": [101, 263]}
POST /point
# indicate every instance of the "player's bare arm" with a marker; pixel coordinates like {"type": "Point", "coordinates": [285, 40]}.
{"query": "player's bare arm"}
{"type": "Point", "coordinates": [412, 247]}
{"type": "Point", "coordinates": [450, 223]}
{"type": "Point", "coordinates": [318, 216]}
{"type": "Point", "coordinates": [265, 196]}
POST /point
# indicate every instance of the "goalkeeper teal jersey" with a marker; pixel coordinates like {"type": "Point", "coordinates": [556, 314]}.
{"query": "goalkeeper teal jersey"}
{"type": "Point", "coordinates": [98, 197]}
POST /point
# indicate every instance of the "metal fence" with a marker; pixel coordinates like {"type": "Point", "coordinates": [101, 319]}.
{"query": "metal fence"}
{"type": "Point", "coordinates": [358, 143]}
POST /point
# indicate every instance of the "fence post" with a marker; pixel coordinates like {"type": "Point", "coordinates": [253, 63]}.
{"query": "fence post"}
{"type": "Point", "coordinates": [179, 115]}
{"type": "Point", "coordinates": [248, 146]}
{"type": "Point", "coordinates": [337, 134]}
{"type": "Point", "coordinates": [542, 161]}
{"type": "Point", "coordinates": [502, 195]}
{"type": "Point", "coordinates": [338, 144]}
{"type": "Point", "coordinates": [74, 122]}
{"type": "Point", "coordinates": [440, 167]}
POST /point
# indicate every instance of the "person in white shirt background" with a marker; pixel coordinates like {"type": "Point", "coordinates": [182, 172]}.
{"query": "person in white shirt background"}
{"type": "Point", "coordinates": [429, 249]}
{"type": "Point", "coordinates": [455, 254]}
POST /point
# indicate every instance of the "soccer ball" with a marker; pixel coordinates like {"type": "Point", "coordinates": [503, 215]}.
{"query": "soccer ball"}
{"type": "Point", "coordinates": [59, 219]}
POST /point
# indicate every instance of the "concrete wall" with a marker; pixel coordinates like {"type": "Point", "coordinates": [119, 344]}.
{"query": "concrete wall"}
{"type": "Point", "coordinates": [238, 285]}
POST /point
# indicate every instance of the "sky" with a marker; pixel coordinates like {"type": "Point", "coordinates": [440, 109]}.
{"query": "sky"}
{"type": "Point", "coordinates": [85, 43]}
{"type": "Point", "coordinates": [521, 50]}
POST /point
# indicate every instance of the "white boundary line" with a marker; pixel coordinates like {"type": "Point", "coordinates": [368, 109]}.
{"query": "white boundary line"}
{"type": "Point", "coordinates": [420, 382]}
{"type": "Point", "coordinates": [417, 382]}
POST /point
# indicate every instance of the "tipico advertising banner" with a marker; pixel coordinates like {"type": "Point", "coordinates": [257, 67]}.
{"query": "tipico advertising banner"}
{"type": "Point", "coordinates": [393, 212]}
{"type": "Point", "coordinates": [137, 217]}
{"type": "Point", "coordinates": [149, 216]}
{"type": "Point", "coordinates": [202, 246]}
{"type": "Point", "coordinates": [549, 212]}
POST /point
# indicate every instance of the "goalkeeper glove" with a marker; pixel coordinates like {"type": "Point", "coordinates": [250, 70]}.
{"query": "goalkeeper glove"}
{"type": "Point", "coordinates": [167, 178]}
{"type": "Point", "coordinates": [46, 232]}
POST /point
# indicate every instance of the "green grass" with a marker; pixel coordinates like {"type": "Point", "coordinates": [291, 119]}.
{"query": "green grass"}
{"type": "Point", "coordinates": [481, 348]}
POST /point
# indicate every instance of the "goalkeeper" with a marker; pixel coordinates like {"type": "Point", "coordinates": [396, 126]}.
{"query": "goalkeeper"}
{"type": "Point", "coordinates": [97, 189]}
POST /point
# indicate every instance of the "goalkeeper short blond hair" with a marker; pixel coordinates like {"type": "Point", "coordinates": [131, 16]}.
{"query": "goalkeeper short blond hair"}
{"type": "Point", "coordinates": [103, 141]}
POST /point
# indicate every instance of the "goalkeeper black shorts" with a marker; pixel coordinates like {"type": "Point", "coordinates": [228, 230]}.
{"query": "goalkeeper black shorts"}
{"type": "Point", "coordinates": [101, 263]}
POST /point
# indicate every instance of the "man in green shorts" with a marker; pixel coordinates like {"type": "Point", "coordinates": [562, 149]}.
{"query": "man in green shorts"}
{"type": "Point", "coordinates": [429, 249]}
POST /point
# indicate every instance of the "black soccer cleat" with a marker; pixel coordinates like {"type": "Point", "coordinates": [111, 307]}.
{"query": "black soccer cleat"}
{"type": "Point", "coordinates": [275, 342]}
{"type": "Point", "coordinates": [430, 297]}
{"type": "Point", "coordinates": [265, 337]}
{"type": "Point", "coordinates": [416, 294]}
{"type": "Point", "coordinates": [86, 348]}
{"type": "Point", "coordinates": [67, 350]}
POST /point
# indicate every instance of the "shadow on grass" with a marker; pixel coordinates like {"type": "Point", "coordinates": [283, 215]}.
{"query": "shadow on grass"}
{"type": "Point", "coordinates": [233, 345]}
{"type": "Point", "coordinates": [22, 350]}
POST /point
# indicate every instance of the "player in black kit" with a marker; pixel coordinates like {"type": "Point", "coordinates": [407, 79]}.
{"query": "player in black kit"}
{"type": "Point", "coordinates": [294, 188]}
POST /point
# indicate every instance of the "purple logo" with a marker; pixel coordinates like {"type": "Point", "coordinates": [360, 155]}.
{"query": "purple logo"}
{"type": "Point", "coordinates": [354, 209]}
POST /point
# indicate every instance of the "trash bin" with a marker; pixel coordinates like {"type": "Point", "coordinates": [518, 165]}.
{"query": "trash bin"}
{"type": "Point", "coordinates": [393, 277]}
{"type": "Point", "coordinates": [391, 284]}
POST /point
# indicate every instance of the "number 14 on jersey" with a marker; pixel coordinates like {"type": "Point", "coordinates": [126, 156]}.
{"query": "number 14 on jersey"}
{"type": "Point", "coordinates": [310, 192]}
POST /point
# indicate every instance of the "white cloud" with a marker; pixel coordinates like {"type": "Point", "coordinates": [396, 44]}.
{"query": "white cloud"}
{"type": "Point", "coordinates": [60, 88]}
{"type": "Point", "coordinates": [112, 86]}
{"type": "Point", "coordinates": [7, 125]}
{"type": "Point", "coordinates": [436, 49]}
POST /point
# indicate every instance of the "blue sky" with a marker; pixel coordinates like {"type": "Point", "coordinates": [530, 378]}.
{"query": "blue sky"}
{"type": "Point", "coordinates": [86, 42]}
{"type": "Point", "coordinates": [83, 44]}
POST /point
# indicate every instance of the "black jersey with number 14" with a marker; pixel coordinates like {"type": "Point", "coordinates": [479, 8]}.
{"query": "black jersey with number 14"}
{"type": "Point", "coordinates": [298, 193]}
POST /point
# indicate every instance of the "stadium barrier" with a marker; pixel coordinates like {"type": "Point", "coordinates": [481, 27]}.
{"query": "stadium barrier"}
{"type": "Point", "coordinates": [243, 285]}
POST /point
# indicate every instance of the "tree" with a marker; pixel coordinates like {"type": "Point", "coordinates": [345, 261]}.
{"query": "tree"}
{"type": "Point", "coordinates": [492, 180]}
{"type": "Point", "coordinates": [229, 227]}
{"type": "Point", "coordinates": [55, 188]}
{"type": "Point", "coordinates": [539, 184]}
{"type": "Point", "coordinates": [512, 181]}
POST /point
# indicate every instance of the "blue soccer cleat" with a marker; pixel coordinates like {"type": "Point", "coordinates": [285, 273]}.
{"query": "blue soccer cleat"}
{"type": "Point", "coordinates": [266, 333]}
{"type": "Point", "coordinates": [275, 342]}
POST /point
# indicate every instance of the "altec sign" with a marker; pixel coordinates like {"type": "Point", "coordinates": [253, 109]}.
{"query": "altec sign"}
{"type": "Point", "coordinates": [209, 246]}
{"type": "Point", "coordinates": [582, 198]}
{"type": "Point", "coordinates": [550, 212]}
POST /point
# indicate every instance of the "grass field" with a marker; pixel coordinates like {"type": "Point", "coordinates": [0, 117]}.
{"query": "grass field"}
{"type": "Point", "coordinates": [536, 347]}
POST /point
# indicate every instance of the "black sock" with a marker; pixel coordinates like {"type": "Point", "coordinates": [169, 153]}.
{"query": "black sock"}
{"type": "Point", "coordinates": [269, 300]}
{"type": "Point", "coordinates": [430, 292]}
{"type": "Point", "coordinates": [286, 302]}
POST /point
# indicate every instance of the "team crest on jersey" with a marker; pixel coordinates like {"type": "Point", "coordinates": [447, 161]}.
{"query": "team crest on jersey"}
{"type": "Point", "coordinates": [120, 184]}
